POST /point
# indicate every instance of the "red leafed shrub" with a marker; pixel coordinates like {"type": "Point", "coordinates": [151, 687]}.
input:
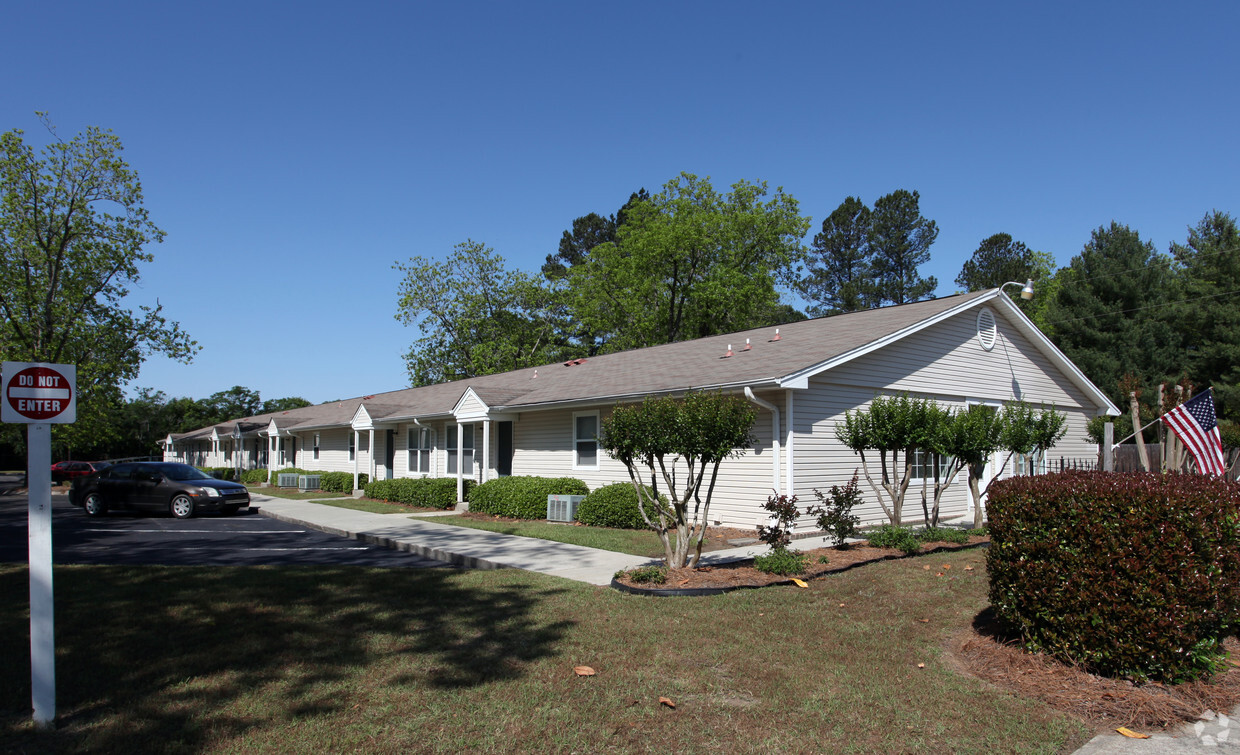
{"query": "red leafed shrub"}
{"type": "Point", "coordinates": [1129, 575]}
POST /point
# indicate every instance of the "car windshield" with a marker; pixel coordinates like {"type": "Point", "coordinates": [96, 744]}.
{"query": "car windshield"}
{"type": "Point", "coordinates": [182, 472]}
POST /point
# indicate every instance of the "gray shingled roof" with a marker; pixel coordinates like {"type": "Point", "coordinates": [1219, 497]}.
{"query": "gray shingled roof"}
{"type": "Point", "coordinates": [675, 367]}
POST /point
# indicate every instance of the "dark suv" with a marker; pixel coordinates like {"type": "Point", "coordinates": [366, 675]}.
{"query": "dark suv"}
{"type": "Point", "coordinates": [179, 489]}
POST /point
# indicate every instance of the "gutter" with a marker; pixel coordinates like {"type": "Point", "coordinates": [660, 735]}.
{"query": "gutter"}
{"type": "Point", "coordinates": [774, 410]}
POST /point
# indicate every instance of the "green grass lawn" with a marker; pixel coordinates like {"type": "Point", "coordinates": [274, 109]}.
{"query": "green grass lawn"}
{"type": "Point", "coordinates": [302, 659]}
{"type": "Point", "coordinates": [376, 507]}
{"type": "Point", "coordinates": [633, 542]}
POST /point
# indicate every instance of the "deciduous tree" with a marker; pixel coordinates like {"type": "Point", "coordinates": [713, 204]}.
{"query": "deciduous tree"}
{"type": "Point", "coordinates": [73, 234]}
{"type": "Point", "coordinates": [476, 316]}
{"type": "Point", "coordinates": [689, 263]}
{"type": "Point", "coordinates": [673, 448]}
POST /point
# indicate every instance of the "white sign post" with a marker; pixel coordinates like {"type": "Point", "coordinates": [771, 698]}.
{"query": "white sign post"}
{"type": "Point", "coordinates": [40, 395]}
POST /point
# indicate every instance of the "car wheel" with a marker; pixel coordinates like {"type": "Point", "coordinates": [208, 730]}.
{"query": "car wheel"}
{"type": "Point", "coordinates": [93, 504]}
{"type": "Point", "coordinates": [182, 507]}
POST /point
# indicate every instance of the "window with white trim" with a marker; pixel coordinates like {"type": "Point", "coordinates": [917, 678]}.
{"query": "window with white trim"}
{"type": "Point", "coordinates": [923, 465]}
{"type": "Point", "coordinates": [585, 440]}
{"type": "Point", "coordinates": [316, 445]}
{"type": "Point", "coordinates": [1030, 464]}
{"type": "Point", "coordinates": [467, 444]}
{"type": "Point", "coordinates": [352, 446]}
{"type": "Point", "coordinates": [420, 443]}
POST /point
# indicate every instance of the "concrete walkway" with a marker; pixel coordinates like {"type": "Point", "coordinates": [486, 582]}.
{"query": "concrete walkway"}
{"type": "Point", "coordinates": [478, 549]}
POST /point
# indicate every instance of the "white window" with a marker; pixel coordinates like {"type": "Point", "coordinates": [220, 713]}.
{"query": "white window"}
{"type": "Point", "coordinates": [923, 465]}
{"type": "Point", "coordinates": [585, 440]}
{"type": "Point", "coordinates": [467, 443]}
{"type": "Point", "coordinates": [1030, 464]}
{"type": "Point", "coordinates": [352, 446]}
{"type": "Point", "coordinates": [316, 445]}
{"type": "Point", "coordinates": [420, 444]}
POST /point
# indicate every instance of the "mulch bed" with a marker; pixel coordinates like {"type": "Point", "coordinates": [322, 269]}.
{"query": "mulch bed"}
{"type": "Point", "coordinates": [984, 651]}
{"type": "Point", "coordinates": [742, 574]}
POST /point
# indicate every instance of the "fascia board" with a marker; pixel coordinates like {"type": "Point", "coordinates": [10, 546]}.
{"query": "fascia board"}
{"type": "Point", "coordinates": [627, 398]}
{"type": "Point", "coordinates": [361, 419]}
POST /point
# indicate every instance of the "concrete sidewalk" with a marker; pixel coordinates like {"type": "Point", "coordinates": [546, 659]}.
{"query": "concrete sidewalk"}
{"type": "Point", "coordinates": [477, 549]}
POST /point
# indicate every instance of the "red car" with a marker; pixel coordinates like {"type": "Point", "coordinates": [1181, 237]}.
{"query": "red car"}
{"type": "Point", "coordinates": [67, 470]}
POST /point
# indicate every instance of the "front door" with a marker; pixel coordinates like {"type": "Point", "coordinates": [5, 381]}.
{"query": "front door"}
{"type": "Point", "coordinates": [503, 463]}
{"type": "Point", "coordinates": [389, 454]}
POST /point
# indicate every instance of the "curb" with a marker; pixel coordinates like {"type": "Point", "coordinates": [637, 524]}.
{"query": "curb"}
{"type": "Point", "coordinates": [694, 592]}
{"type": "Point", "coordinates": [456, 559]}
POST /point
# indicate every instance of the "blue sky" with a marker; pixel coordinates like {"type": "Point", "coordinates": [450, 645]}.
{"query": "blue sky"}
{"type": "Point", "coordinates": [294, 151]}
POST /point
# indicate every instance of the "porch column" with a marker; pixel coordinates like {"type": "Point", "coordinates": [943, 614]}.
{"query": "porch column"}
{"type": "Point", "coordinates": [486, 448]}
{"type": "Point", "coordinates": [460, 463]}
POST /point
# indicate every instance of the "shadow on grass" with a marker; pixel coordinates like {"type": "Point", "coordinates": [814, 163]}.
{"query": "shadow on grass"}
{"type": "Point", "coordinates": [145, 655]}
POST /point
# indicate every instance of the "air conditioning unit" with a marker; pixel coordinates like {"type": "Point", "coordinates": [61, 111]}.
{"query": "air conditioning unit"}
{"type": "Point", "coordinates": [308, 482]}
{"type": "Point", "coordinates": [562, 508]}
{"type": "Point", "coordinates": [286, 480]}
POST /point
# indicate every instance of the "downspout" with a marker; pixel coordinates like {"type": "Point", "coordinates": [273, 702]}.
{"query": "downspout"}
{"type": "Point", "coordinates": [774, 410]}
{"type": "Point", "coordinates": [788, 468]}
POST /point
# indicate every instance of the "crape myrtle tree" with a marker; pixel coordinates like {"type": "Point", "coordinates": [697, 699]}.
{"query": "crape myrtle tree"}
{"type": "Point", "coordinates": [476, 316]}
{"type": "Point", "coordinates": [673, 448]}
{"type": "Point", "coordinates": [898, 428]}
{"type": "Point", "coordinates": [73, 233]}
{"type": "Point", "coordinates": [690, 262]}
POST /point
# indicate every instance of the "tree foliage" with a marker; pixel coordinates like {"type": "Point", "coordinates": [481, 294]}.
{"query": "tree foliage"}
{"type": "Point", "coordinates": [1000, 259]}
{"type": "Point", "coordinates": [587, 232]}
{"type": "Point", "coordinates": [73, 233]}
{"type": "Point", "coordinates": [476, 316]}
{"type": "Point", "coordinates": [1206, 312]}
{"type": "Point", "coordinates": [1110, 313]}
{"type": "Point", "coordinates": [688, 263]}
{"type": "Point", "coordinates": [839, 275]}
{"type": "Point", "coordinates": [900, 240]}
{"type": "Point", "coordinates": [672, 450]}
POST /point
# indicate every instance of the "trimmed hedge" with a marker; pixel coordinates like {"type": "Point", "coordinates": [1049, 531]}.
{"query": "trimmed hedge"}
{"type": "Point", "coordinates": [437, 493]}
{"type": "Point", "coordinates": [522, 497]}
{"type": "Point", "coordinates": [614, 506]}
{"type": "Point", "coordinates": [1132, 575]}
{"type": "Point", "coordinates": [254, 476]}
{"type": "Point", "coordinates": [220, 473]}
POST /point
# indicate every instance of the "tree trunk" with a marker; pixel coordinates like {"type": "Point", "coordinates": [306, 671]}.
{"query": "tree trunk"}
{"type": "Point", "coordinates": [1135, 408]}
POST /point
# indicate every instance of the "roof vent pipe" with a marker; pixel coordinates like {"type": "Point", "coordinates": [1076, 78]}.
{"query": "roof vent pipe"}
{"type": "Point", "coordinates": [774, 410]}
{"type": "Point", "coordinates": [777, 337]}
{"type": "Point", "coordinates": [747, 346]}
{"type": "Point", "coordinates": [725, 356]}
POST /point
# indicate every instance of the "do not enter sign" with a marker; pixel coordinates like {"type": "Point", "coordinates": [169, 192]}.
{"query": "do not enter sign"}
{"type": "Point", "coordinates": [36, 392]}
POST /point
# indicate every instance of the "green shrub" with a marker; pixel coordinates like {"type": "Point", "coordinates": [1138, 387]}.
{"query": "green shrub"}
{"type": "Point", "coordinates": [891, 536]}
{"type": "Point", "coordinates": [614, 506]}
{"type": "Point", "coordinates": [522, 497]}
{"type": "Point", "coordinates": [254, 476]}
{"type": "Point", "coordinates": [219, 473]}
{"type": "Point", "coordinates": [834, 511]}
{"type": "Point", "coordinates": [1130, 575]}
{"type": "Point", "coordinates": [645, 574]}
{"type": "Point", "coordinates": [781, 561]}
{"type": "Point", "coordinates": [436, 493]}
{"type": "Point", "coordinates": [943, 535]}
{"type": "Point", "coordinates": [336, 482]}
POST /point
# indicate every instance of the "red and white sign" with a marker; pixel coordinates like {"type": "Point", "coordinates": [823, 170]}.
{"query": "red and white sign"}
{"type": "Point", "coordinates": [35, 392]}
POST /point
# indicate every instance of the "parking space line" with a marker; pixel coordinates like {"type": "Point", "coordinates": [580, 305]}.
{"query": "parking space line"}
{"type": "Point", "coordinates": [199, 532]}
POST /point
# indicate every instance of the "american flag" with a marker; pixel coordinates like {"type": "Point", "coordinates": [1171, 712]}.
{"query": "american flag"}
{"type": "Point", "coordinates": [1196, 425]}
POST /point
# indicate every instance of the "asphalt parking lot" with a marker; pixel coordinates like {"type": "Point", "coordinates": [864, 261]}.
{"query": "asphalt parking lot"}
{"type": "Point", "coordinates": [246, 539]}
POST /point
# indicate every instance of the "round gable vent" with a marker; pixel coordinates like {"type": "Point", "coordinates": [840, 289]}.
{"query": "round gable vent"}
{"type": "Point", "coordinates": [987, 329]}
